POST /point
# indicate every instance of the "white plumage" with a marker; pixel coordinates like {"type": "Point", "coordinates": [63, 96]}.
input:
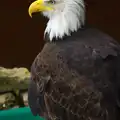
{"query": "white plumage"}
{"type": "Point", "coordinates": [67, 17]}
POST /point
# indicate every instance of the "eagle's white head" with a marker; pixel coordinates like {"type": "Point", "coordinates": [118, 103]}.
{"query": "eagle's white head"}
{"type": "Point", "coordinates": [65, 16]}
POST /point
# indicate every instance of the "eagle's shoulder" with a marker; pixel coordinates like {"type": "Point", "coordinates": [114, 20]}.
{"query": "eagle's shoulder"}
{"type": "Point", "coordinates": [90, 42]}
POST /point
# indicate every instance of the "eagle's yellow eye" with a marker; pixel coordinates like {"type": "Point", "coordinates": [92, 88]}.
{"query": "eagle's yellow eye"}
{"type": "Point", "coordinates": [50, 1]}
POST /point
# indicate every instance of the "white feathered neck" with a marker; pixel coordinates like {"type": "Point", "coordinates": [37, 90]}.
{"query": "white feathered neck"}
{"type": "Point", "coordinates": [68, 17]}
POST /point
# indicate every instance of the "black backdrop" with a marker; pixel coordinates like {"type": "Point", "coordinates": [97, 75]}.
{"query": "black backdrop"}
{"type": "Point", "coordinates": [21, 38]}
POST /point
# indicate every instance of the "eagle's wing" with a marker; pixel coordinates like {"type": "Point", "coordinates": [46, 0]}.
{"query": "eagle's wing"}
{"type": "Point", "coordinates": [64, 98]}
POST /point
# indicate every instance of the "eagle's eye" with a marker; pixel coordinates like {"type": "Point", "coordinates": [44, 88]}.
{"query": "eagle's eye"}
{"type": "Point", "coordinates": [51, 1]}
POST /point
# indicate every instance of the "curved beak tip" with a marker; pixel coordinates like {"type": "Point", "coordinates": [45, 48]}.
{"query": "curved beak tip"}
{"type": "Point", "coordinates": [33, 8]}
{"type": "Point", "coordinates": [30, 14]}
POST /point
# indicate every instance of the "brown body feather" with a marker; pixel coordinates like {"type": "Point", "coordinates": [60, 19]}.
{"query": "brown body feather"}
{"type": "Point", "coordinates": [77, 78]}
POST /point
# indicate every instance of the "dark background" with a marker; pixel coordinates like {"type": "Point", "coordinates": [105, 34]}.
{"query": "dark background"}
{"type": "Point", "coordinates": [21, 38]}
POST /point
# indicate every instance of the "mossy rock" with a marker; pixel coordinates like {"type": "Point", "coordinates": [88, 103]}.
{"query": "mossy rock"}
{"type": "Point", "coordinates": [13, 79]}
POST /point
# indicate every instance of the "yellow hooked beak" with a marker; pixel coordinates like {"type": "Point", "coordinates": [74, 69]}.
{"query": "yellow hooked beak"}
{"type": "Point", "coordinates": [39, 6]}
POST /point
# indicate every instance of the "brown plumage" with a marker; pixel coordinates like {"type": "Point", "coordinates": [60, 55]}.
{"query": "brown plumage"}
{"type": "Point", "coordinates": [77, 78]}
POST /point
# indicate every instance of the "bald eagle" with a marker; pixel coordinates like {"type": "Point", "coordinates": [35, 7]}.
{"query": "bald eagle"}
{"type": "Point", "coordinates": [76, 76]}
